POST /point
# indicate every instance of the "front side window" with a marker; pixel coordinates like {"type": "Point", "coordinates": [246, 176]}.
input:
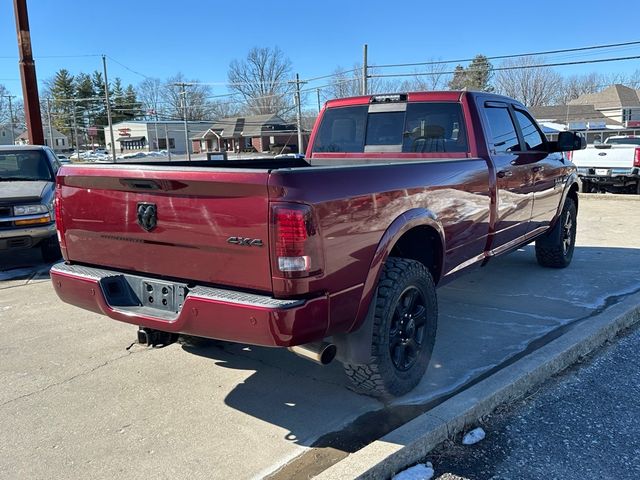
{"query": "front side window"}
{"type": "Point", "coordinates": [503, 132]}
{"type": "Point", "coordinates": [532, 137]}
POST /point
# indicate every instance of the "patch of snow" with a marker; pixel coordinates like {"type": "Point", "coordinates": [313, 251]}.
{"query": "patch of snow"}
{"type": "Point", "coordinates": [474, 436]}
{"type": "Point", "coordinates": [422, 471]}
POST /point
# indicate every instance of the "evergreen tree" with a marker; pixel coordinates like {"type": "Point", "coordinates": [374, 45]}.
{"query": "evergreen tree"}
{"type": "Point", "coordinates": [86, 101]}
{"type": "Point", "coordinates": [62, 95]}
{"type": "Point", "coordinates": [134, 107]}
{"type": "Point", "coordinates": [459, 79]}
{"type": "Point", "coordinates": [100, 112]}
{"type": "Point", "coordinates": [475, 77]}
{"type": "Point", "coordinates": [478, 74]}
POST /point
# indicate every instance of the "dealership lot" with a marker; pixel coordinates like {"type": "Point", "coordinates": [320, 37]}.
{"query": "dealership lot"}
{"type": "Point", "coordinates": [80, 400]}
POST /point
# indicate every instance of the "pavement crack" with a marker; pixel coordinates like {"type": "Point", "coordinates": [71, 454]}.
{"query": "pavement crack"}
{"type": "Point", "coordinates": [68, 380]}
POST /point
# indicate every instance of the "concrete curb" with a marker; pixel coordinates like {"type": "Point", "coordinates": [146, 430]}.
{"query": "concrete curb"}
{"type": "Point", "coordinates": [411, 442]}
{"type": "Point", "coordinates": [609, 196]}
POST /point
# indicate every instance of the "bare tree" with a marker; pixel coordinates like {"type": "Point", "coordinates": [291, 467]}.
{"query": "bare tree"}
{"type": "Point", "coordinates": [576, 85]}
{"type": "Point", "coordinates": [225, 108]}
{"type": "Point", "coordinates": [349, 83]}
{"type": "Point", "coordinates": [431, 77]}
{"type": "Point", "coordinates": [533, 86]}
{"type": "Point", "coordinates": [16, 105]}
{"type": "Point", "coordinates": [197, 94]}
{"type": "Point", "coordinates": [262, 80]}
{"type": "Point", "coordinates": [149, 93]}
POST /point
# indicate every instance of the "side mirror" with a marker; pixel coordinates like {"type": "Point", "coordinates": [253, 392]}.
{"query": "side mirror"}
{"type": "Point", "coordinates": [569, 141]}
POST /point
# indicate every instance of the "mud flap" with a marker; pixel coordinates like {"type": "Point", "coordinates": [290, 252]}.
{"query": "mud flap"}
{"type": "Point", "coordinates": [355, 347]}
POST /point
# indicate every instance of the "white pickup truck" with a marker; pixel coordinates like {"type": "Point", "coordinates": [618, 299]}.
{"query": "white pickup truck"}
{"type": "Point", "coordinates": [613, 165]}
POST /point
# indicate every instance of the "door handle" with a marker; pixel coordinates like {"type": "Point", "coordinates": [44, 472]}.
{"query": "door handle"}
{"type": "Point", "coordinates": [504, 173]}
{"type": "Point", "coordinates": [537, 169]}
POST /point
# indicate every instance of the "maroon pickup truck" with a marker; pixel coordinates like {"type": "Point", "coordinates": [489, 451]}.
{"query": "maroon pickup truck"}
{"type": "Point", "coordinates": [336, 254]}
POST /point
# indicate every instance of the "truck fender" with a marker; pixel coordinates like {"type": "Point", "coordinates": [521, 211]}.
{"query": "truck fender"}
{"type": "Point", "coordinates": [355, 347]}
{"type": "Point", "coordinates": [552, 235]}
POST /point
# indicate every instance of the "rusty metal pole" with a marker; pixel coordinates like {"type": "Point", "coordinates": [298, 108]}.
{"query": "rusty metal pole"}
{"type": "Point", "coordinates": [28, 75]}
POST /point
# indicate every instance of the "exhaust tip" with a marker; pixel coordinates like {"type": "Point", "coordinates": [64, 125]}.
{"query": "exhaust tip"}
{"type": "Point", "coordinates": [327, 354]}
{"type": "Point", "coordinates": [318, 352]}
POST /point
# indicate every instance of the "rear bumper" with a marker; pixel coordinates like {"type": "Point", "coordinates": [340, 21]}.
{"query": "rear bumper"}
{"type": "Point", "coordinates": [206, 312]}
{"type": "Point", "coordinates": [610, 176]}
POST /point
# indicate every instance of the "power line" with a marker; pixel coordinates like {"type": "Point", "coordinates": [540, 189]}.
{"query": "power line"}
{"type": "Point", "coordinates": [500, 57]}
{"type": "Point", "coordinates": [519, 67]}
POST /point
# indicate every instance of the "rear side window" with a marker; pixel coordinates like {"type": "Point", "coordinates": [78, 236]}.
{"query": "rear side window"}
{"type": "Point", "coordinates": [532, 137]}
{"type": "Point", "coordinates": [434, 127]}
{"type": "Point", "coordinates": [421, 127]}
{"type": "Point", "coordinates": [342, 130]}
{"type": "Point", "coordinates": [503, 132]}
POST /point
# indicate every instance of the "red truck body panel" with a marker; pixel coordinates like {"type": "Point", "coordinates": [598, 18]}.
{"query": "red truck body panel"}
{"type": "Point", "coordinates": [198, 211]}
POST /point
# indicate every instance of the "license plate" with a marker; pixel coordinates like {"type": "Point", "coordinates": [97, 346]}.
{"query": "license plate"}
{"type": "Point", "coordinates": [603, 171]}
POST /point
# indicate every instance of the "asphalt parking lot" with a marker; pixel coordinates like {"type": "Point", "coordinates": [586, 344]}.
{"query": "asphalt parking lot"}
{"type": "Point", "coordinates": [79, 400]}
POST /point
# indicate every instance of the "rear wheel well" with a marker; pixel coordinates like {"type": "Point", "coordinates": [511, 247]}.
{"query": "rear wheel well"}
{"type": "Point", "coordinates": [422, 244]}
{"type": "Point", "coordinates": [573, 194]}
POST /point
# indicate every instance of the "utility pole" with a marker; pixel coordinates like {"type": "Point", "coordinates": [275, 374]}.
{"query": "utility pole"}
{"type": "Point", "coordinates": [106, 99]}
{"type": "Point", "coordinates": [11, 122]}
{"type": "Point", "coordinates": [365, 70]}
{"type": "Point", "coordinates": [166, 138]}
{"type": "Point", "coordinates": [299, 113]}
{"type": "Point", "coordinates": [28, 75]}
{"type": "Point", "coordinates": [183, 93]}
{"type": "Point", "coordinates": [49, 121]}
{"type": "Point", "coordinates": [318, 94]}
{"type": "Point", "coordinates": [75, 131]}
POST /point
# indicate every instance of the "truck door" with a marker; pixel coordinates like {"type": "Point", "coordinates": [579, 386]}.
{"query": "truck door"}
{"type": "Point", "coordinates": [514, 178]}
{"type": "Point", "coordinates": [547, 168]}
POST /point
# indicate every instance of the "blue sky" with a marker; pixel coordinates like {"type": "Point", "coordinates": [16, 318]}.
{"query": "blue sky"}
{"type": "Point", "coordinates": [199, 38]}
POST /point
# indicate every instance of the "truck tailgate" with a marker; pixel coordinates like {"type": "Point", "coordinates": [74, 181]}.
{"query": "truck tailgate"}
{"type": "Point", "coordinates": [616, 156]}
{"type": "Point", "coordinates": [201, 215]}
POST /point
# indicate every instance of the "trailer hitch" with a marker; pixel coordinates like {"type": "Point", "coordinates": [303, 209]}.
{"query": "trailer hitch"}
{"type": "Point", "coordinates": [155, 338]}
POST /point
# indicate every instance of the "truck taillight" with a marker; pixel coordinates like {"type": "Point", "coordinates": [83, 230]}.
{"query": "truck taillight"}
{"type": "Point", "coordinates": [636, 158]}
{"type": "Point", "coordinates": [295, 241]}
{"type": "Point", "coordinates": [58, 216]}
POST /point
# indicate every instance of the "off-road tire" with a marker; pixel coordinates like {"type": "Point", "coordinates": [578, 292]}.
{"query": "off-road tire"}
{"type": "Point", "coordinates": [50, 249]}
{"type": "Point", "coordinates": [558, 254]}
{"type": "Point", "coordinates": [381, 377]}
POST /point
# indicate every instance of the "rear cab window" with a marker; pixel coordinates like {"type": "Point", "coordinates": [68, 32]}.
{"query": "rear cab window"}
{"type": "Point", "coordinates": [393, 127]}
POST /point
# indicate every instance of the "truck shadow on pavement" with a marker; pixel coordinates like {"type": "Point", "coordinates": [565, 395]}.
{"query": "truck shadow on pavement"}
{"type": "Point", "coordinates": [21, 265]}
{"type": "Point", "coordinates": [488, 319]}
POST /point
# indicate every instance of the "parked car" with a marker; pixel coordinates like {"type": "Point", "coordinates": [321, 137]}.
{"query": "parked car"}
{"type": "Point", "coordinates": [27, 187]}
{"type": "Point", "coordinates": [335, 255]}
{"type": "Point", "coordinates": [610, 166]}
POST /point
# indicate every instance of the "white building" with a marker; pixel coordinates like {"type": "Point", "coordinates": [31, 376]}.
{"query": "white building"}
{"type": "Point", "coordinates": [59, 142]}
{"type": "Point", "coordinates": [142, 135]}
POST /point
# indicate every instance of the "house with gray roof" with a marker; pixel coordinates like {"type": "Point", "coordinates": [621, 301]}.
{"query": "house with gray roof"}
{"type": "Point", "coordinates": [613, 111]}
{"type": "Point", "coordinates": [255, 133]}
{"type": "Point", "coordinates": [6, 137]}
{"type": "Point", "coordinates": [59, 142]}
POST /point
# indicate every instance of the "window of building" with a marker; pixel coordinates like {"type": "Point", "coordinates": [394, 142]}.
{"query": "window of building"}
{"type": "Point", "coordinates": [503, 132]}
{"type": "Point", "coordinates": [162, 143]}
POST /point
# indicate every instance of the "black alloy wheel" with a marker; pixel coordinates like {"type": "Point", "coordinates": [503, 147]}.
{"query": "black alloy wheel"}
{"type": "Point", "coordinates": [408, 327]}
